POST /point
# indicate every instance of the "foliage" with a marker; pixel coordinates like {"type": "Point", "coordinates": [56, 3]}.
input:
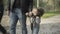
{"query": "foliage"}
{"type": "Point", "coordinates": [50, 14]}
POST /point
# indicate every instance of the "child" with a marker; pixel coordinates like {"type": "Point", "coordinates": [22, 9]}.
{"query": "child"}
{"type": "Point", "coordinates": [35, 16]}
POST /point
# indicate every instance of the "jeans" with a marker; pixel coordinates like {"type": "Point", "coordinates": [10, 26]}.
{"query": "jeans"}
{"type": "Point", "coordinates": [14, 17]}
{"type": "Point", "coordinates": [35, 24]}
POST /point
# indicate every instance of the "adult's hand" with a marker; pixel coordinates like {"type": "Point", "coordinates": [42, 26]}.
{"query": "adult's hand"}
{"type": "Point", "coordinates": [27, 14]}
{"type": "Point", "coordinates": [35, 11]}
{"type": "Point", "coordinates": [8, 12]}
{"type": "Point", "coordinates": [30, 13]}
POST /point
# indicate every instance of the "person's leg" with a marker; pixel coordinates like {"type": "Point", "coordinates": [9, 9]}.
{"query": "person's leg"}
{"type": "Point", "coordinates": [2, 29]}
{"type": "Point", "coordinates": [13, 22]}
{"type": "Point", "coordinates": [31, 21]}
{"type": "Point", "coordinates": [24, 28]}
{"type": "Point", "coordinates": [36, 25]}
{"type": "Point", "coordinates": [22, 19]}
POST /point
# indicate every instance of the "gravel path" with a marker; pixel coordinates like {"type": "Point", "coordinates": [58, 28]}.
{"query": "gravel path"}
{"type": "Point", "coordinates": [47, 26]}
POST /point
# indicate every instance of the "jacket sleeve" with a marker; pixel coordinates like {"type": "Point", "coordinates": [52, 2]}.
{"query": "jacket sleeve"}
{"type": "Point", "coordinates": [30, 5]}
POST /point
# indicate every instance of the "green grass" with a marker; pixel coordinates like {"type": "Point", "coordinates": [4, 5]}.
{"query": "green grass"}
{"type": "Point", "coordinates": [50, 14]}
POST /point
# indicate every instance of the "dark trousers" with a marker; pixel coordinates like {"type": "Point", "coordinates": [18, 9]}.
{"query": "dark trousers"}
{"type": "Point", "coordinates": [2, 29]}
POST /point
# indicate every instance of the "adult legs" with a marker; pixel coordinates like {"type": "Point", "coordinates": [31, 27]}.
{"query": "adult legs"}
{"type": "Point", "coordinates": [13, 22]}
{"type": "Point", "coordinates": [22, 19]}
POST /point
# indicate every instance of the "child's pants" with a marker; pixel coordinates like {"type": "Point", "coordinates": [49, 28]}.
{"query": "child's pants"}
{"type": "Point", "coordinates": [35, 24]}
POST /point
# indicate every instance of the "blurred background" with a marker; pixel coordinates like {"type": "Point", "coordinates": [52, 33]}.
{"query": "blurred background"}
{"type": "Point", "coordinates": [50, 6]}
{"type": "Point", "coordinates": [50, 21]}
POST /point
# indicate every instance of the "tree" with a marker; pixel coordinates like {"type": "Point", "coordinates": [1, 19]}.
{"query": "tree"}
{"type": "Point", "coordinates": [37, 3]}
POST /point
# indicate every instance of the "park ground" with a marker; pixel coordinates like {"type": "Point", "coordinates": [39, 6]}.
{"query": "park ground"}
{"type": "Point", "coordinates": [49, 25]}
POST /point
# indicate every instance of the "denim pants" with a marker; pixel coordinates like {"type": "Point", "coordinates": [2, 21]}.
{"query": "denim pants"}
{"type": "Point", "coordinates": [14, 17]}
{"type": "Point", "coordinates": [35, 24]}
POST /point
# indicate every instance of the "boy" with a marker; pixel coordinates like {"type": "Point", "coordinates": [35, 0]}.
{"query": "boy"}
{"type": "Point", "coordinates": [35, 16]}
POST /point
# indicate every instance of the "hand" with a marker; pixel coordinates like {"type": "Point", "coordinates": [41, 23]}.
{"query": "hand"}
{"type": "Point", "coordinates": [27, 14]}
{"type": "Point", "coordinates": [30, 13]}
{"type": "Point", "coordinates": [35, 11]}
{"type": "Point", "coordinates": [8, 12]}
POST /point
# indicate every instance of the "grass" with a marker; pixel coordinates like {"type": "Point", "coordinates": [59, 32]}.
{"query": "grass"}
{"type": "Point", "coordinates": [50, 14]}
